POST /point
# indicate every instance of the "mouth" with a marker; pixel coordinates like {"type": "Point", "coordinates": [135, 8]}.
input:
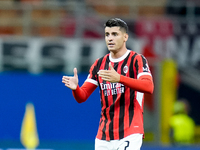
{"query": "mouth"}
{"type": "Point", "coordinates": [111, 44]}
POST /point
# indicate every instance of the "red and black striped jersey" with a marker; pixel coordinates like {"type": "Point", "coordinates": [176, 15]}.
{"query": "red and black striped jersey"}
{"type": "Point", "coordinates": [121, 106]}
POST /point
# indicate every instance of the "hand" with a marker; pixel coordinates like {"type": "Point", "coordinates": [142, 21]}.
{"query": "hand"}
{"type": "Point", "coordinates": [71, 82]}
{"type": "Point", "coordinates": [109, 75]}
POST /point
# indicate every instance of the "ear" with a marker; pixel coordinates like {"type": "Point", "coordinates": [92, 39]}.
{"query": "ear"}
{"type": "Point", "coordinates": [125, 37]}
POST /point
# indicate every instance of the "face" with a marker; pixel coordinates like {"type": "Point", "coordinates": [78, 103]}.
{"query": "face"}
{"type": "Point", "coordinates": [115, 38]}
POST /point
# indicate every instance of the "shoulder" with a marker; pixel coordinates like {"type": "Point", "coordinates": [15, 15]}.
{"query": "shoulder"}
{"type": "Point", "coordinates": [101, 59]}
{"type": "Point", "coordinates": [136, 55]}
{"type": "Point", "coordinates": [140, 56]}
{"type": "Point", "coordinates": [98, 62]}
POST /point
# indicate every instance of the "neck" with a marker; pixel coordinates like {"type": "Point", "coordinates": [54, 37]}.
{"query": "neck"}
{"type": "Point", "coordinates": [119, 53]}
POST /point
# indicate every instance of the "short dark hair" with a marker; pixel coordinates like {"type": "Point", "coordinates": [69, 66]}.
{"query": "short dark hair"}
{"type": "Point", "coordinates": [117, 22]}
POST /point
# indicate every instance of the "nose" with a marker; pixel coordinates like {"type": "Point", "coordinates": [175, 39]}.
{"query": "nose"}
{"type": "Point", "coordinates": [110, 38]}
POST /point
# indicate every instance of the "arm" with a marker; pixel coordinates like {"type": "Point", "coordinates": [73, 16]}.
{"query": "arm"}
{"type": "Point", "coordinates": [144, 84]}
{"type": "Point", "coordinates": [82, 93]}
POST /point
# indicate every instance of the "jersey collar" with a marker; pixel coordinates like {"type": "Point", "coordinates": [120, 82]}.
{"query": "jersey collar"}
{"type": "Point", "coordinates": [120, 58]}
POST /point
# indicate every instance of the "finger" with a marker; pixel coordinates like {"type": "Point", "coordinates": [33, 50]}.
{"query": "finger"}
{"type": "Point", "coordinates": [64, 81]}
{"type": "Point", "coordinates": [103, 72]}
{"type": "Point", "coordinates": [75, 73]}
{"type": "Point", "coordinates": [100, 71]}
{"type": "Point", "coordinates": [106, 79]}
{"type": "Point", "coordinates": [110, 66]}
{"type": "Point", "coordinates": [67, 85]}
{"type": "Point", "coordinates": [64, 78]}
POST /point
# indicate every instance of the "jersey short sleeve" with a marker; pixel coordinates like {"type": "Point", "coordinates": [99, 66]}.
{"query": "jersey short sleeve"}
{"type": "Point", "coordinates": [142, 67]}
{"type": "Point", "coordinates": [92, 76]}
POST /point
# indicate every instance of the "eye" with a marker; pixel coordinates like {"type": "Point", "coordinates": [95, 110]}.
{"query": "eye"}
{"type": "Point", "coordinates": [115, 34]}
{"type": "Point", "coordinates": [106, 34]}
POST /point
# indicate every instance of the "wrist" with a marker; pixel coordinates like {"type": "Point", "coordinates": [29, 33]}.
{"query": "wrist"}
{"type": "Point", "coordinates": [120, 78]}
{"type": "Point", "coordinates": [75, 88]}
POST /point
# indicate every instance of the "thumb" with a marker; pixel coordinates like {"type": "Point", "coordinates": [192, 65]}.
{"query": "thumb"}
{"type": "Point", "coordinates": [75, 72]}
{"type": "Point", "coordinates": [110, 66]}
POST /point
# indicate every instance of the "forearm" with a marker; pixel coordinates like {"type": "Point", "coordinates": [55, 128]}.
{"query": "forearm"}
{"type": "Point", "coordinates": [82, 93]}
{"type": "Point", "coordinates": [144, 85]}
{"type": "Point", "coordinates": [79, 95]}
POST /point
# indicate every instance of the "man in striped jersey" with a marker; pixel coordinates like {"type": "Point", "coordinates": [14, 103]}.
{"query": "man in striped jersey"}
{"type": "Point", "coordinates": [123, 76]}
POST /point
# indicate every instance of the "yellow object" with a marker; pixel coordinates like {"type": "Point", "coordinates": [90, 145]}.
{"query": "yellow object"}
{"type": "Point", "coordinates": [29, 136]}
{"type": "Point", "coordinates": [183, 128]}
{"type": "Point", "coordinates": [168, 96]}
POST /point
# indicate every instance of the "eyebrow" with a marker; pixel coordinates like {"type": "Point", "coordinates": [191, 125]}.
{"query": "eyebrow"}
{"type": "Point", "coordinates": [112, 32]}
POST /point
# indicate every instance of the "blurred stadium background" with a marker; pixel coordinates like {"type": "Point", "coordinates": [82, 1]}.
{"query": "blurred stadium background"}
{"type": "Point", "coordinates": [41, 40]}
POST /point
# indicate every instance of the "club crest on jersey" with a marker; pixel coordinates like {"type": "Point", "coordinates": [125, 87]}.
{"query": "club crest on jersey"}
{"type": "Point", "coordinates": [125, 69]}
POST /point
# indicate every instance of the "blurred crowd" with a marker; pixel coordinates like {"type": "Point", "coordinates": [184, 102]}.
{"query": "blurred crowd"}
{"type": "Point", "coordinates": [60, 18]}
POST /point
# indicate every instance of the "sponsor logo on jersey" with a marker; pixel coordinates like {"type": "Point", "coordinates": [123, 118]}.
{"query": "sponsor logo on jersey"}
{"type": "Point", "coordinates": [112, 88]}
